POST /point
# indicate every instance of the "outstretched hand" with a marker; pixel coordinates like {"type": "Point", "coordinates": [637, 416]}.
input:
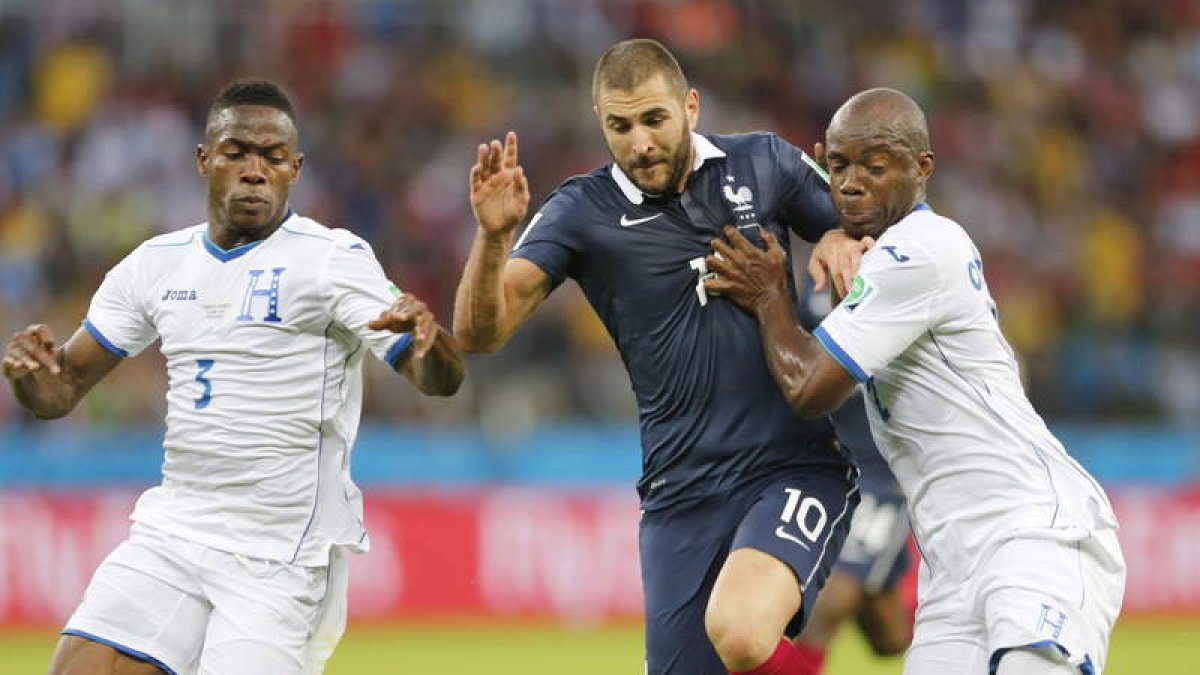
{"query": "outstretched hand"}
{"type": "Point", "coordinates": [409, 315]}
{"type": "Point", "coordinates": [29, 351]}
{"type": "Point", "coordinates": [499, 190]}
{"type": "Point", "coordinates": [745, 273]}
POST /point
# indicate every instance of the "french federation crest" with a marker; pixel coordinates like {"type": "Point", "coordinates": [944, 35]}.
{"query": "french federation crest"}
{"type": "Point", "coordinates": [741, 199]}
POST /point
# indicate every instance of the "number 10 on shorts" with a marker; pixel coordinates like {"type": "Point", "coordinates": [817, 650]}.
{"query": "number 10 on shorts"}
{"type": "Point", "coordinates": [807, 512]}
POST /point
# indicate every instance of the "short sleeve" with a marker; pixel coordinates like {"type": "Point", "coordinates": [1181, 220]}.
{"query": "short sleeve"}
{"type": "Point", "coordinates": [551, 240]}
{"type": "Point", "coordinates": [116, 317]}
{"type": "Point", "coordinates": [360, 291]}
{"type": "Point", "coordinates": [807, 207]}
{"type": "Point", "coordinates": [889, 306]}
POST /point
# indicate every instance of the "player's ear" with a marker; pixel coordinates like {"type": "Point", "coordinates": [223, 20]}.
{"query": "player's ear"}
{"type": "Point", "coordinates": [691, 107]}
{"type": "Point", "coordinates": [924, 166]}
{"type": "Point", "coordinates": [297, 164]}
{"type": "Point", "coordinates": [819, 155]}
{"type": "Point", "coordinates": [201, 160]}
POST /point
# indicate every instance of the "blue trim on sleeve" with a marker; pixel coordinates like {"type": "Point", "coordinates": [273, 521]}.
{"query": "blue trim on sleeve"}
{"type": "Point", "coordinates": [104, 342]}
{"type": "Point", "coordinates": [397, 348]}
{"type": "Point", "coordinates": [128, 651]}
{"type": "Point", "coordinates": [840, 355]}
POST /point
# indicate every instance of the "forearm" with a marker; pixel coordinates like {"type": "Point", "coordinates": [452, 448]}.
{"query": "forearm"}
{"type": "Point", "coordinates": [479, 304]}
{"type": "Point", "coordinates": [440, 372]}
{"type": "Point", "coordinates": [791, 353]}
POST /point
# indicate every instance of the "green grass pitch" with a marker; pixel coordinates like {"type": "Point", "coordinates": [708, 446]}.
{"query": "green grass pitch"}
{"type": "Point", "coordinates": [1140, 646]}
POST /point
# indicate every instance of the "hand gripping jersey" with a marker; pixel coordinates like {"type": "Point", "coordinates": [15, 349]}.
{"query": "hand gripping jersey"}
{"type": "Point", "coordinates": [976, 462]}
{"type": "Point", "coordinates": [264, 346]}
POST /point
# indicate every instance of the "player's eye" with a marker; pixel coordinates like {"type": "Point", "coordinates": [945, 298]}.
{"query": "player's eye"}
{"type": "Point", "coordinates": [877, 169]}
{"type": "Point", "coordinates": [233, 154]}
{"type": "Point", "coordinates": [619, 127]}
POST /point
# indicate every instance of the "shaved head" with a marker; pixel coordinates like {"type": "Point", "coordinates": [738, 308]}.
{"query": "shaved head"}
{"type": "Point", "coordinates": [886, 114]}
{"type": "Point", "coordinates": [878, 156]}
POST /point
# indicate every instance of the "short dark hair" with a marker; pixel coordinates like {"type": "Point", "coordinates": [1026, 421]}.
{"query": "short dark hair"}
{"type": "Point", "coordinates": [252, 92]}
{"type": "Point", "coordinates": [628, 64]}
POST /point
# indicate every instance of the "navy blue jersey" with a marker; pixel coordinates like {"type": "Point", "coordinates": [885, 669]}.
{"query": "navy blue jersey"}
{"type": "Point", "coordinates": [850, 420]}
{"type": "Point", "coordinates": [712, 416]}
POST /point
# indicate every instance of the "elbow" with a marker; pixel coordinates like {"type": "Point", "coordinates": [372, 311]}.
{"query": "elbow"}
{"type": "Point", "coordinates": [447, 388]}
{"type": "Point", "coordinates": [448, 383]}
{"type": "Point", "coordinates": [809, 404]}
{"type": "Point", "coordinates": [809, 410]}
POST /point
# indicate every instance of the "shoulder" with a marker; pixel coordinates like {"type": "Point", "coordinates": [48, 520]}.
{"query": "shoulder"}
{"type": "Point", "coordinates": [311, 238]}
{"type": "Point", "coordinates": [933, 233]}
{"type": "Point", "coordinates": [176, 238]}
{"type": "Point", "coordinates": [746, 142]}
{"type": "Point", "coordinates": [580, 195]}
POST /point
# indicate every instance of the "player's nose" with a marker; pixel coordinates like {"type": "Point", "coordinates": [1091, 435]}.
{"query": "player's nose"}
{"type": "Point", "coordinates": [253, 171]}
{"type": "Point", "coordinates": [850, 182]}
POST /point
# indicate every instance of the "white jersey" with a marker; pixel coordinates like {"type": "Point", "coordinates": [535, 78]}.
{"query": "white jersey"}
{"type": "Point", "coordinates": [978, 465]}
{"type": "Point", "coordinates": [264, 346]}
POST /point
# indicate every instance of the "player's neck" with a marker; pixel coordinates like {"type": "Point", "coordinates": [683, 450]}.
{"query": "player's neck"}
{"type": "Point", "coordinates": [228, 236]}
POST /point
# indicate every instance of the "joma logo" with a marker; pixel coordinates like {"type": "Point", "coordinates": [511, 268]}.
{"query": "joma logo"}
{"type": "Point", "coordinates": [178, 294]}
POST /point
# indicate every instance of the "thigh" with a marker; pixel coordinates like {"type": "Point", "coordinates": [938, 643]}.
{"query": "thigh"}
{"type": "Point", "coordinates": [942, 657]}
{"type": "Point", "coordinates": [876, 551]}
{"type": "Point", "coordinates": [1041, 591]}
{"type": "Point", "coordinates": [681, 553]}
{"type": "Point", "coordinates": [331, 616]}
{"type": "Point", "coordinates": [802, 520]}
{"type": "Point", "coordinates": [264, 614]}
{"type": "Point", "coordinates": [142, 602]}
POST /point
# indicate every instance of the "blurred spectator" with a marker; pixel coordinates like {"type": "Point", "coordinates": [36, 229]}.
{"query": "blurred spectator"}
{"type": "Point", "coordinates": [1068, 135]}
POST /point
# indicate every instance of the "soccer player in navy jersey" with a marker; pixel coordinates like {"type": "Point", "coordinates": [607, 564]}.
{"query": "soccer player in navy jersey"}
{"type": "Point", "coordinates": [745, 506]}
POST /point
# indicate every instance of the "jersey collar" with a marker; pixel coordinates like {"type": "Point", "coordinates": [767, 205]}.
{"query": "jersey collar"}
{"type": "Point", "coordinates": [705, 150]}
{"type": "Point", "coordinates": [237, 251]}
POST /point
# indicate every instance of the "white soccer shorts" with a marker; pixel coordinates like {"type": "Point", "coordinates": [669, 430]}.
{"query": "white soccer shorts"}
{"type": "Point", "coordinates": [192, 609]}
{"type": "Point", "coordinates": [1044, 587]}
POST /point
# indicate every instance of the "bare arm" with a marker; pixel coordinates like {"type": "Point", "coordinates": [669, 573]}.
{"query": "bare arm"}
{"type": "Point", "coordinates": [48, 380]}
{"type": "Point", "coordinates": [495, 294]}
{"type": "Point", "coordinates": [812, 381]}
{"type": "Point", "coordinates": [432, 363]}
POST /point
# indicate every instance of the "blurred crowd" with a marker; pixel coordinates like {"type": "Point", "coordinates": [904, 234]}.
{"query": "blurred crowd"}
{"type": "Point", "coordinates": [1067, 135]}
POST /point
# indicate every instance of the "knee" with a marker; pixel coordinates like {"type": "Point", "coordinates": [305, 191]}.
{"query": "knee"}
{"type": "Point", "coordinates": [740, 645]}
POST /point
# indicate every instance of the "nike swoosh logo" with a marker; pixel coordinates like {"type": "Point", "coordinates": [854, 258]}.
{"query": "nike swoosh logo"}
{"type": "Point", "coordinates": [626, 222]}
{"type": "Point", "coordinates": [779, 532]}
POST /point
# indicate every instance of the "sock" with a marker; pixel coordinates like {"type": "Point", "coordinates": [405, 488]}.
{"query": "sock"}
{"type": "Point", "coordinates": [812, 656]}
{"type": "Point", "coordinates": [786, 660]}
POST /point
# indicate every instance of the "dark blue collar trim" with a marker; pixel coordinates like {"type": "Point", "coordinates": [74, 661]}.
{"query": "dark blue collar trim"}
{"type": "Point", "coordinates": [922, 207]}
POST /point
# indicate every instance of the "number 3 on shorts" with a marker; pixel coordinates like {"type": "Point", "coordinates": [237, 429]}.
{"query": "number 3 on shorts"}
{"type": "Point", "coordinates": [808, 512]}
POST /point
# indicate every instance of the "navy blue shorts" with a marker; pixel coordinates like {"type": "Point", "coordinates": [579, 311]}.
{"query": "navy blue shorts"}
{"type": "Point", "coordinates": [876, 550]}
{"type": "Point", "coordinates": [800, 516]}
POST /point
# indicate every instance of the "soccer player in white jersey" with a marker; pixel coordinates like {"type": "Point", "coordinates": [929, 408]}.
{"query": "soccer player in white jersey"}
{"type": "Point", "coordinates": [1021, 572]}
{"type": "Point", "coordinates": [236, 564]}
